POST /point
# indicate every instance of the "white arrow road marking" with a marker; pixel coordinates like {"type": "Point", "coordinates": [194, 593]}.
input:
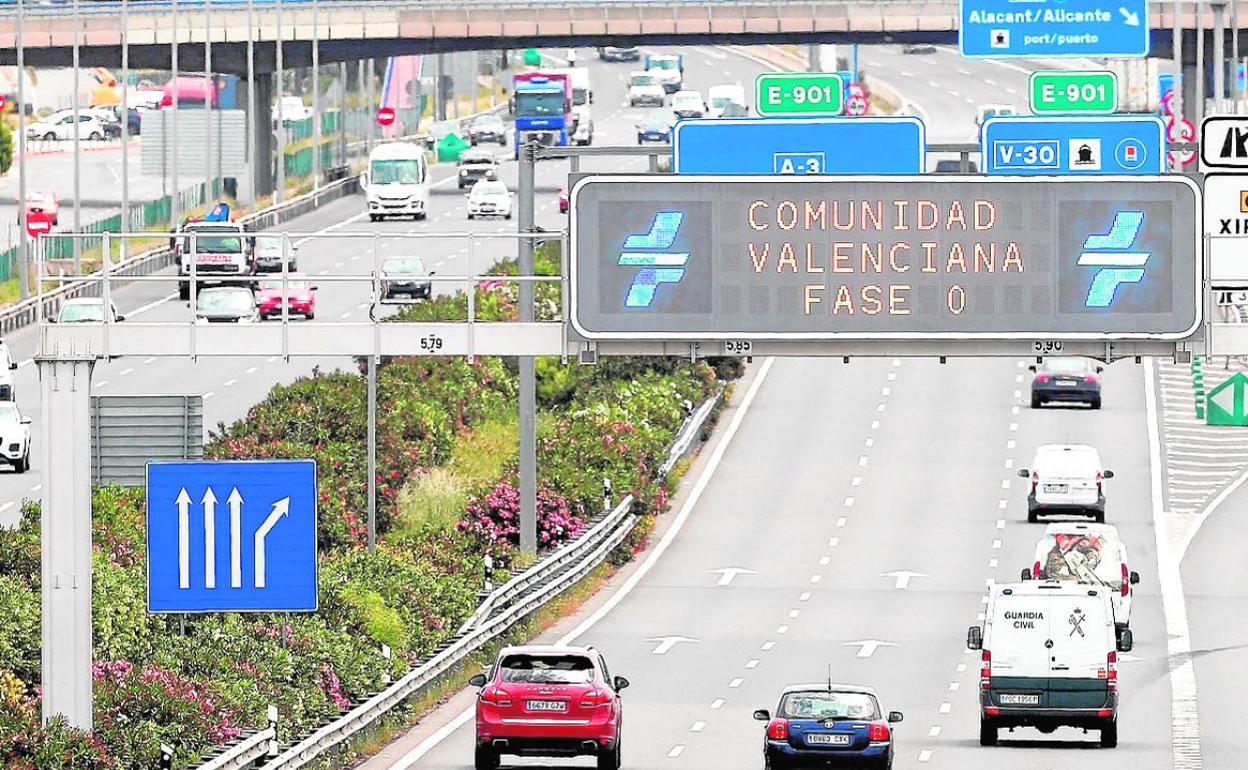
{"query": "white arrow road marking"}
{"type": "Point", "coordinates": [867, 647]}
{"type": "Point", "coordinates": [280, 509]}
{"type": "Point", "coordinates": [210, 539]}
{"type": "Point", "coordinates": [728, 574]}
{"type": "Point", "coordinates": [666, 643]}
{"type": "Point", "coordinates": [1131, 18]}
{"type": "Point", "coordinates": [903, 576]}
{"type": "Point", "coordinates": [236, 539]}
{"type": "Point", "coordinates": [184, 539]}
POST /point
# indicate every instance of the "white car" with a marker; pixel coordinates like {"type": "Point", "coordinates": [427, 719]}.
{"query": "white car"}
{"type": "Point", "coordinates": [226, 304]}
{"type": "Point", "coordinates": [584, 134]}
{"type": "Point", "coordinates": [1066, 479]}
{"type": "Point", "coordinates": [7, 366]}
{"type": "Point", "coordinates": [994, 111]}
{"type": "Point", "coordinates": [718, 98]}
{"type": "Point", "coordinates": [1090, 554]}
{"type": "Point", "coordinates": [688, 104]}
{"type": "Point", "coordinates": [489, 198]}
{"type": "Point", "coordinates": [87, 310]}
{"type": "Point", "coordinates": [644, 89]}
{"type": "Point", "coordinates": [14, 437]}
{"type": "Point", "coordinates": [60, 125]}
{"type": "Point", "coordinates": [292, 109]}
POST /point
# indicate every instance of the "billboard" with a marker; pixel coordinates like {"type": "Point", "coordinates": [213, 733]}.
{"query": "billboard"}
{"type": "Point", "coordinates": [719, 257]}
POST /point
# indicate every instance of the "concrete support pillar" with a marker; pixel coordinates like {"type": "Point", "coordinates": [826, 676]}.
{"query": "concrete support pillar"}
{"type": "Point", "coordinates": [65, 387]}
{"type": "Point", "coordinates": [262, 152]}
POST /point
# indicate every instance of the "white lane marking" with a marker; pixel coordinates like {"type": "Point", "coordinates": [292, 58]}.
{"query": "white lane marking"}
{"type": "Point", "coordinates": [735, 683]}
{"type": "Point", "coordinates": [840, 522]}
{"type": "Point", "coordinates": [6, 506]}
{"type": "Point", "coordinates": [945, 707]}
{"type": "Point", "coordinates": [805, 597]}
{"type": "Point", "coordinates": [1011, 444]}
{"type": "Point", "coordinates": [1013, 426]}
{"type": "Point", "coordinates": [1014, 409]}
{"type": "Point", "coordinates": [1009, 464]}
{"type": "Point", "coordinates": [345, 315]}
{"type": "Point", "coordinates": [752, 663]}
{"type": "Point", "coordinates": [867, 647]}
{"type": "Point", "coordinates": [862, 461]}
{"type": "Point", "coordinates": [932, 732]}
{"type": "Point", "coordinates": [794, 613]}
{"type": "Point", "coordinates": [823, 562]}
{"type": "Point", "coordinates": [717, 704]}
{"type": "Point", "coordinates": [1000, 523]}
{"type": "Point", "coordinates": [209, 395]}
{"type": "Point", "coordinates": [933, 84]}
{"type": "Point", "coordinates": [892, 376]}
{"type": "Point", "coordinates": [252, 370]}
{"type": "Point", "coordinates": [849, 502]}
{"type": "Point", "coordinates": [714, 54]}
{"type": "Point", "coordinates": [697, 727]}
{"type": "Point", "coordinates": [816, 578]}
{"type": "Point", "coordinates": [896, 362]}
{"type": "Point", "coordinates": [996, 543]}
{"type": "Point", "coordinates": [101, 383]}
{"type": "Point", "coordinates": [875, 424]}
{"type": "Point", "coordinates": [954, 687]}
{"type": "Point", "coordinates": [856, 481]}
{"type": "Point", "coordinates": [925, 755]}
{"type": "Point", "coordinates": [960, 668]}
{"type": "Point", "coordinates": [676, 751]}
{"type": "Point", "coordinates": [1003, 503]}
{"type": "Point", "coordinates": [879, 408]}
{"type": "Point", "coordinates": [1184, 708]}
{"type": "Point", "coordinates": [990, 82]}
{"type": "Point", "coordinates": [337, 265]}
{"type": "Point", "coordinates": [1005, 483]}
{"type": "Point", "coordinates": [271, 359]}
{"type": "Point", "coordinates": [992, 563]}
{"type": "Point", "coordinates": [729, 574]}
{"type": "Point", "coordinates": [870, 442]}
{"type": "Point", "coordinates": [767, 646]}
{"type": "Point", "coordinates": [230, 383]}
{"type": "Point", "coordinates": [1009, 90]}
{"type": "Point", "coordinates": [124, 372]}
{"type": "Point", "coordinates": [886, 391]}
{"type": "Point", "coordinates": [149, 359]}
{"type": "Point", "coordinates": [834, 542]}
{"type": "Point", "coordinates": [36, 488]}
{"type": "Point", "coordinates": [666, 643]}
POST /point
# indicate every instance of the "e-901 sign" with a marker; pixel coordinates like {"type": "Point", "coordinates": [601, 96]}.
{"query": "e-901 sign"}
{"type": "Point", "coordinates": [1086, 93]}
{"type": "Point", "coordinates": [780, 94]}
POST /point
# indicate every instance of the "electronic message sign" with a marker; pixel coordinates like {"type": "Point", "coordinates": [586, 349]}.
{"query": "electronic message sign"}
{"type": "Point", "coordinates": [825, 258]}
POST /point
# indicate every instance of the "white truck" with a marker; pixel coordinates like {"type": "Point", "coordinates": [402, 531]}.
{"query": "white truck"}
{"type": "Point", "coordinates": [397, 181]}
{"type": "Point", "coordinates": [221, 251]}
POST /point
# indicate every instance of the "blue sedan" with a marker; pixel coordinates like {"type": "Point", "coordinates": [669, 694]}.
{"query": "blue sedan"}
{"type": "Point", "coordinates": [656, 128]}
{"type": "Point", "coordinates": [839, 725]}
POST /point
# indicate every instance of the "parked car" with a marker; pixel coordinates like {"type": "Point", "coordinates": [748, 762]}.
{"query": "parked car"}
{"type": "Point", "coordinates": [87, 310]}
{"type": "Point", "coordinates": [14, 437]}
{"type": "Point", "coordinates": [60, 125]}
{"type": "Point", "coordinates": [299, 291]}
{"type": "Point", "coordinates": [405, 276]}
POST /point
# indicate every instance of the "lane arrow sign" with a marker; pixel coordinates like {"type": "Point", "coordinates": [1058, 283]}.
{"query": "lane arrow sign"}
{"type": "Point", "coordinates": [236, 539]}
{"type": "Point", "coordinates": [903, 576]}
{"type": "Point", "coordinates": [728, 574]}
{"type": "Point", "coordinates": [280, 509]}
{"type": "Point", "coordinates": [666, 643]}
{"type": "Point", "coordinates": [184, 539]}
{"type": "Point", "coordinates": [1131, 18]}
{"type": "Point", "coordinates": [867, 647]}
{"type": "Point", "coordinates": [210, 539]}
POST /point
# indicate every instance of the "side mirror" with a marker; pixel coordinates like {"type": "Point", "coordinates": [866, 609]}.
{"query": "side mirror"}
{"type": "Point", "coordinates": [762, 715]}
{"type": "Point", "coordinates": [433, 272]}
{"type": "Point", "coordinates": [619, 683]}
{"type": "Point", "coordinates": [1031, 368]}
{"type": "Point", "coordinates": [1107, 474]}
{"type": "Point", "coordinates": [1023, 473]}
{"type": "Point", "coordinates": [1126, 641]}
{"type": "Point", "coordinates": [364, 181]}
{"type": "Point", "coordinates": [118, 317]}
{"type": "Point", "coordinates": [974, 638]}
{"type": "Point", "coordinates": [12, 366]}
{"type": "Point", "coordinates": [1025, 574]}
{"type": "Point", "coordinates": [1135, 578]}
{"type": "Point", "coordinates": [896, 716]}
{"type": "Point", "coordinates": [25, 420]}
{"type": "Point", "coordinates": [477, 680]}
{"type": "Point", "coordinates": [315, 287]}
{"type": "Point", "coordinates": [49, 320]}
{"type": "Point", "coordinates": [1100, 369]}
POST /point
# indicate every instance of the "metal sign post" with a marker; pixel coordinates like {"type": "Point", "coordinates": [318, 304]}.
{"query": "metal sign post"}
{"type": "Point", "coordinates": [528, 380]}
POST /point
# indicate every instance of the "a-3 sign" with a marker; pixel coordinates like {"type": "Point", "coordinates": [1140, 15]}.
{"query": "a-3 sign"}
{"type": "Point", "coordinates": [232, 536]}
{"type": "Point", "coordinates": [1226, 404]}
{"type": "Point", "coordinates": [823, 258]}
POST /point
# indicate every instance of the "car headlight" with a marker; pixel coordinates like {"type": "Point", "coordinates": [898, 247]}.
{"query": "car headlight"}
{"type": "Point", "coordinates": [463, 172]}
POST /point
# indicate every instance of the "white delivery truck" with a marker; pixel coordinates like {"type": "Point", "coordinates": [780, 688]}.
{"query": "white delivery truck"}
{"type": "Point", "coordinates": [397, 181]}
{"type": "Point", "coordinates": [1049, 660]}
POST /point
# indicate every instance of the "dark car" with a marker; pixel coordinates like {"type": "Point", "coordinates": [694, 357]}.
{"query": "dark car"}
{"type": "Point", "coordinates": [656, 128]}
{"type": "Point", "coordinates": [487, 128]}
{"type": "Point", "coordinates": [828, 724]}
{"type": "Point", "coordinates": [950, 166]}
{"type": "Point", "coordinates": [613, 53]}
{"type": "Point", "coordinates": [272, 252]}
{"type": "Point", "coordinates": [918, 48]}
{"type": "Point", "coordinates": [475, 165]}
{"type": "Point", "coordinates": [1066, 379]}
{"type": "Point", "coordinates": [405, 276]}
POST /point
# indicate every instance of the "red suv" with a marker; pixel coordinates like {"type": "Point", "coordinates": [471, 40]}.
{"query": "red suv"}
{"type": "Point", "coordinates": [548, 702]}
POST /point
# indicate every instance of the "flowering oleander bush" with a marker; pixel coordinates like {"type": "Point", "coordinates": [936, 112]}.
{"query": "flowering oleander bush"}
{"type": "Point", "coordinates": [493, 520]}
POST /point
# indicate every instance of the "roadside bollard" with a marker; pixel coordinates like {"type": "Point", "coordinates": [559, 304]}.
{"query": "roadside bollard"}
{"type": "Point", "coordinates": [488, 563]}
{"type": "Point", "coordinates": [606, 494]}
{"type": "Point", "coordinates": [272, 752]}
{"type": "Point", "coordinates": [166, 756]}
{"type": "Point", "coordinates": [385, 653]}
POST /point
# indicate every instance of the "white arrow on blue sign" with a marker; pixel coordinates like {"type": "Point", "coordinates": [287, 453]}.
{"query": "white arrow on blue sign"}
{"type": "Point", "coordinates": [1054, 28]}
{"type": "Point", "coordinates": [272, 509]}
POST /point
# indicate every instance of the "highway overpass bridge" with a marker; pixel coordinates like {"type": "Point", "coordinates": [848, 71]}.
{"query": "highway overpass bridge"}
{"type": "Point", "coordinates": [349, 30]}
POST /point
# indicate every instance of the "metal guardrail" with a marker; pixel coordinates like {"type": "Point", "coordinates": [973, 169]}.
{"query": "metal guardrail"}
{"type": "Point", "coordinates": [503, 608]}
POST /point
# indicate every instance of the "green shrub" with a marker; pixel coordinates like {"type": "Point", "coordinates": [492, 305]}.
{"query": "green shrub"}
{"type": "Point", "coordinates": [20, 636]}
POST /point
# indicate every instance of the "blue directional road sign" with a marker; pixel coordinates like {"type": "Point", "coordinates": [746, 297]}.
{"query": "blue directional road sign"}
{"type": "Point", "coordinates": [1053, 28]}
{"type": "Point", "coordinates": [231, 536]}
{"type": "Point", "coordinates": [799, 146]}
{"type": "Point", "coordinates": [1116, 144]}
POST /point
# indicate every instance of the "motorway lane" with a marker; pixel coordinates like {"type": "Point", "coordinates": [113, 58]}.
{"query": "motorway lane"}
{"type": "Point", "coordinates": [906, 470]}
{"type": "Point", "coordinates": [1214, 578]}
{"type": "Point", "coordinates": [232, 385]}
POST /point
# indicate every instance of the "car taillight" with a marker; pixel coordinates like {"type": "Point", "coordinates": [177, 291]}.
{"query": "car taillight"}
{"type": "Point", "coordinates": [1035, 479]}
{"type": "Point", "coordinates": [496, 696]}
{"type": "Point", "coordinates": [1099, 479]}
{"type": "Point", "coordinates": [778, 729]}
{"type": "Point", "coordinates": [595, 699]}
{"type": "Point", "coordinates": [1092, 378]}
{"type": "Point", "coordinates": [1035, 570]}
{"type": "Point", "coordinates": [1111, 669]}
{"type": "Point", "coordinates": [985, 670]}
{"type": "Point", "coordinates": [880, 731]}
{"type": "Point", "coordinates": [1042, 378]}
{"type": "Point", "coordinates": [1126, 581]}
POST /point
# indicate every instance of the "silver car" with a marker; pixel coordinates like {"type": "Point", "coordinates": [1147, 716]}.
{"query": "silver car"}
{"type": "Point", "coordinates": [226, 304]}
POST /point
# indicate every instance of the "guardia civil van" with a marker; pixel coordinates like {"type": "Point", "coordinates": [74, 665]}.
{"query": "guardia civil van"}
{"type": "Point", "coordinates": [1049, 660]}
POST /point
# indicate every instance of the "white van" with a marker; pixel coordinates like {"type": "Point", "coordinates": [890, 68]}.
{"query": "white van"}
{"type": "Point", "coordinates": [719, 97]}
{"type": "Point", "coordinates": [1066, 479]}
{"type": "Point", "coordinates": [1049, 660]}
{"type": "Point", "coordinates": [397, 181]}
{"type": "Point", "coordinates": [1088, 554]}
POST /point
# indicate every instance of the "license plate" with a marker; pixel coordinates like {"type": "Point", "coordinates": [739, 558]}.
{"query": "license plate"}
{"type": "Point", "coordinates": [546, 705]}
{"type": "Point", "coordinates": [1018, 699]}
{"type": "Point", "coordinates": [214, 259]}
{"type": "Point", "coordinates": [826, 739]}
{"type": "Point", "coordinates": [1056, 488]}
{"type": "Point", "coordinates": [1066, 383]}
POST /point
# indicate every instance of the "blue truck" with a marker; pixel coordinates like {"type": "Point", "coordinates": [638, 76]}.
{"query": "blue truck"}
{"type": "Point", "coordinates": [543, 107]}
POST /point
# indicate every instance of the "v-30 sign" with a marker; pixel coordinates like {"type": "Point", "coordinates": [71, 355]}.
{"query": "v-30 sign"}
{"type": "Point", "coordinates": [697, 258]}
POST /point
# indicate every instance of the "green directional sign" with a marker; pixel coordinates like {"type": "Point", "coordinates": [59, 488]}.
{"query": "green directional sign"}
{"type": "Point", "coordinates": [799, 94]}
{"type": "Point", "coordinates": [1070, 92]}
{"type": "Point", "coordinates": [1227, 403]}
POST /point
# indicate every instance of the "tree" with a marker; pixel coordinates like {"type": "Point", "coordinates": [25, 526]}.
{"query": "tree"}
{"type": "Point", "coordinates": [6, 146]}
